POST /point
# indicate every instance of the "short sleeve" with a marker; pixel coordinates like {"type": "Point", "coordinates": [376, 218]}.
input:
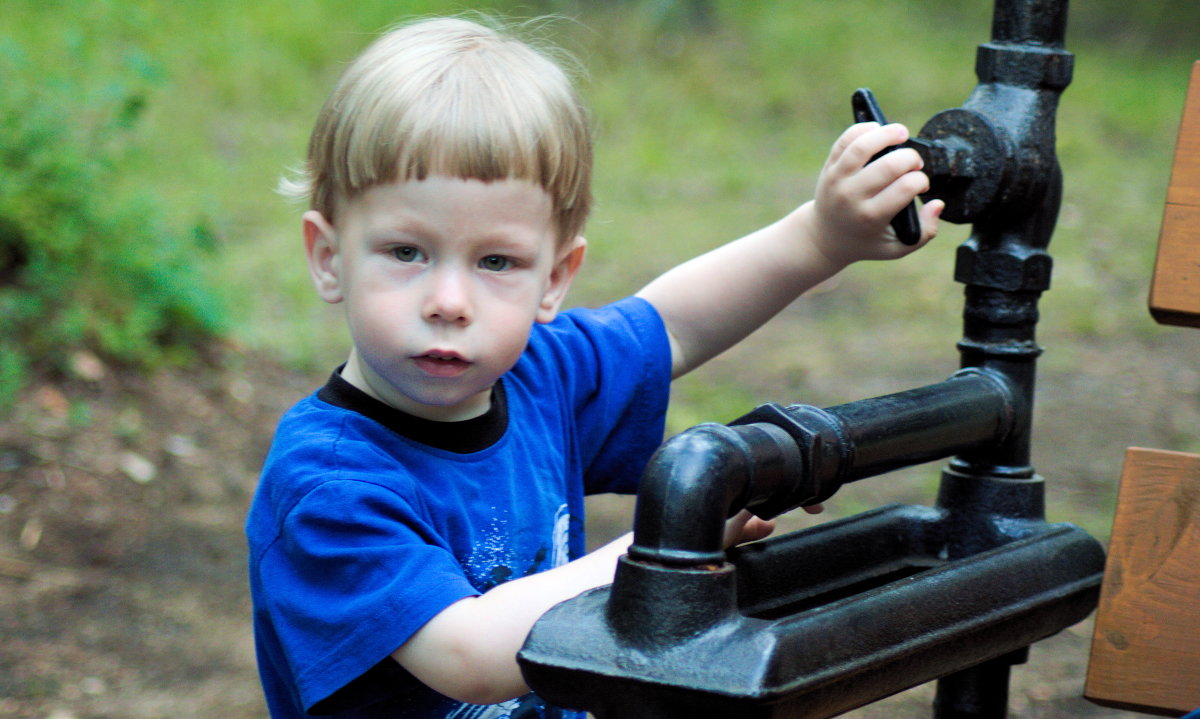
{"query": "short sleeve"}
{"type": "Point", "coordinates": [353, 569]}
{"type": "Point", "coordinates": [615, 365]}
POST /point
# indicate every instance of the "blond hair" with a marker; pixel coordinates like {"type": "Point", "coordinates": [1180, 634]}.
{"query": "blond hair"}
{"type": "Point", "coordinates": [450, 96]}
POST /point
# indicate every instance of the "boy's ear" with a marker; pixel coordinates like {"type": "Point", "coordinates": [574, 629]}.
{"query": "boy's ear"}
{"type": "Point", "coordinates": [324, 262]}
{"type": "Point", "coordinates": [566, 266]}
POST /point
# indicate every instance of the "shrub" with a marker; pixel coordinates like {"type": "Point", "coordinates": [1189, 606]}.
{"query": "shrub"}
{"type": "Point", "coordinates": [84, 265]}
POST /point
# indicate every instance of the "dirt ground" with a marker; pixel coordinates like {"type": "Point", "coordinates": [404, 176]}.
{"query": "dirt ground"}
{"type": "Point", "coordinates": [122, 591]}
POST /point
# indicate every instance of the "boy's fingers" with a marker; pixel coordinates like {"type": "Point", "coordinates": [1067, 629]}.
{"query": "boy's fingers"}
{"type": "Point", "coordinates": [870, 142]}
{"type": "Point", "coordinates": [901, 168]}
{"type": "Point", "coordinates": [745, 527]}
{"type": "Point", "coordinates": [851, 175]}
{"type": "Point", "coordinates": [848, 138]}
{"type": "Point", "coordinates": [893, 197]}
{"type": "Point", "coordinates": [757, 529]}
{"type": "Point", "coordinates": [930, 214]}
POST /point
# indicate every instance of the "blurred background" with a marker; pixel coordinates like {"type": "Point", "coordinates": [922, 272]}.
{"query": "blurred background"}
{"type": "Point", "coordinates": [156, 315]}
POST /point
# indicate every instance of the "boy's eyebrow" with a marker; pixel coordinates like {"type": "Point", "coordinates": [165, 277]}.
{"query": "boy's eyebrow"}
{"type": "Point", "coordinates": [414, 228]}
{"type": "Point", "coordinates": [397, 219]}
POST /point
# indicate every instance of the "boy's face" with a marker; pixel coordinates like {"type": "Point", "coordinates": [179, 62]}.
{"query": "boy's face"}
{"type": "Point", "coordinates": [442, 280]}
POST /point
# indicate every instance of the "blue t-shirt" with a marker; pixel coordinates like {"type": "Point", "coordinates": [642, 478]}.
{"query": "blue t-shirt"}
{"type": "Point", "coordinates": [367, 522]}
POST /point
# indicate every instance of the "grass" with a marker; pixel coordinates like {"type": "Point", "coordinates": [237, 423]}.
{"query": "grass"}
{"type": "Point", "coordinates": [703, 135]}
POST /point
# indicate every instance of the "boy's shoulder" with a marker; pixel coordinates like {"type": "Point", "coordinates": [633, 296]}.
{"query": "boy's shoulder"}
{"type": "Point", "coordinates": [318, 432]}
{"type": "Point", "coordinates": [630, 328]}
{"type": "Point", "coordinates": [314, 423]}
{"type": "Point", "coordinates": [321, 448]}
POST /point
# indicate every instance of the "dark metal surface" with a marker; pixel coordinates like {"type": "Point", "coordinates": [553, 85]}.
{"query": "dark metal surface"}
{"type": "Point", "coordinates": [1005, 266]}
{"type": "Point", "coordinates": [815, 623]}
{"type": "Point", "coordinates": [742, 640]}
{"type": "Point", "coordinates": [778, 458]}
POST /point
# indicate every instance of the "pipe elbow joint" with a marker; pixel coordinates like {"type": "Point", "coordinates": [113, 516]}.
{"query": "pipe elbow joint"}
{"type": "Point", "coordinates": [698, 479]}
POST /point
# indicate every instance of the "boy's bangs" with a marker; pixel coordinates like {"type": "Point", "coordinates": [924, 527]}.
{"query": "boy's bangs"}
{"type": "Point", "coordinates": [471, 144]}
{"type": "Point", "coordinates": [469, 105]}
{"type": "Point", "coordinates": [480, 131]}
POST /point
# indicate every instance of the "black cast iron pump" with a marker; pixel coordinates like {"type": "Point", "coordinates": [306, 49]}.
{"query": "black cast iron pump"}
{"type": "Point", "coordinates": [817, 622]}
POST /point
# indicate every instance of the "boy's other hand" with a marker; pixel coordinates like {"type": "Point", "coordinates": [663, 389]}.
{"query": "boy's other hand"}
{"type": "Point", "coordinates": [856, 197]}
{"type": "Point", "coordinates": [745, 527]}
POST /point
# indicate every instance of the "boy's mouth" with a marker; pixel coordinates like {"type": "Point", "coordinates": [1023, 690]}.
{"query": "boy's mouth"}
{"type": "Point", "coordinates": [442, 364]}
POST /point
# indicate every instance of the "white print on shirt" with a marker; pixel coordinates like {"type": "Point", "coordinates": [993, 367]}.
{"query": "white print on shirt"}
{"type": "Point", "coordinates": [562, 531]}
{"type": "Point", "coordinates": [477, 711]}
{"type": "Point", "coordinates": [493, 559]}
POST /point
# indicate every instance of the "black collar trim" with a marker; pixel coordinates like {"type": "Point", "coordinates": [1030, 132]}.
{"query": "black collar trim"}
{"type": "Point", "coordinates": [465, 437]}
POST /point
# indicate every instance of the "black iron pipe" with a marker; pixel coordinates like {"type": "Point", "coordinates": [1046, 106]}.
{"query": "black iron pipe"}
{"type": "Point", "coordinates": [775, 459]}
{"type": "Point", "coordinates": [700, 477]}
{"type": "Point", "coordinates": [1030, 22]}
{"type": "Point", "coordinates": [980, 693]}
{"type": "Point", "coordinates": [973, 408]}
{"type": "Point", "coordinates": [1005, 266]}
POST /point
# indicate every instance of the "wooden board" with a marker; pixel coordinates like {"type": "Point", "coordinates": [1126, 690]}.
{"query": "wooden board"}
{"type": "Point", "coordinates": [1146, 645]}
{"type": "Point", "coordinates": [1175, 291]}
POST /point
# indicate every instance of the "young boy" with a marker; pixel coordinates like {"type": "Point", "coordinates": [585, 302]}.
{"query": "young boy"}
{"type": "Point", "coordinates": [419, 513]}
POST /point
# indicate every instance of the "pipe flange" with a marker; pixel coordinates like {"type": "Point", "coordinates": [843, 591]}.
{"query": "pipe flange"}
{"type": "Point", "coordinates": [968, 176]}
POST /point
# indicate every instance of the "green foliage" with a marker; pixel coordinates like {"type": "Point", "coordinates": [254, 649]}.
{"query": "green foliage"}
{"type": "Point", "coordinates": [713, 117]}
{"type": "Point", "coordinates": [85, 264]}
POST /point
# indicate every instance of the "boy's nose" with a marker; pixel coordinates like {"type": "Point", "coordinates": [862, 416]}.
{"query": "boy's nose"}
{"type": "Point", "coordinates": [448, 299]}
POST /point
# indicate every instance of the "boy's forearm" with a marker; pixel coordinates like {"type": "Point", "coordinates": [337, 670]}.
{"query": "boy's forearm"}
{"type": "Point", "coordinates": [712, 302]}
{"type": "Point", "coordinates": [468, 651]}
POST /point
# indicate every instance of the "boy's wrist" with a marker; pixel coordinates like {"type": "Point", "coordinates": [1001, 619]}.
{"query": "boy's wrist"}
{"type": "Point", "coordinates": [823, 261]}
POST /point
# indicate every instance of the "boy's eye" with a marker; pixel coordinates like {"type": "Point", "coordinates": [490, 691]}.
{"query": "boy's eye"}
{"type": "Point", "coordinates": [407, 254]}
{"type": "Point", "coordinates": [495, 263]}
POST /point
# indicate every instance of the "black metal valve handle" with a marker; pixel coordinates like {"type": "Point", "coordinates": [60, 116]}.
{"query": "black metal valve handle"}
{"type": "Point", "coordinates": [866, 109]}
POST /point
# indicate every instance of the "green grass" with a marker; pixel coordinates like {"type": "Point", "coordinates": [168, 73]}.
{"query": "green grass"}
{"type": "Point", "coordinates": [703, 135]}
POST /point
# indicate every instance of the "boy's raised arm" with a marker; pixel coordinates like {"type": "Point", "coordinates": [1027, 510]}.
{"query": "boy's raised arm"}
{"type": "Point", "coordinates": [715, 300]}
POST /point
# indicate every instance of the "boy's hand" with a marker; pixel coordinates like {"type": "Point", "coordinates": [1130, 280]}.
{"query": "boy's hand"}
{"type": "Point", "coordinates": [856, 198]}
{"type": "Point", "coordinates": [745, 527]}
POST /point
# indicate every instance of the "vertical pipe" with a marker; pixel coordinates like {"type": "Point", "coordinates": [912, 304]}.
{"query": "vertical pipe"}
{"type": "Point", "coordinates": [1030, 22]}
{"type": "Point", "coordinates": [979, 693]}
{"type": "Point", "coordinates": [1005, 267]}
{"type": "Point", "coordinates": [1004, 264]}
